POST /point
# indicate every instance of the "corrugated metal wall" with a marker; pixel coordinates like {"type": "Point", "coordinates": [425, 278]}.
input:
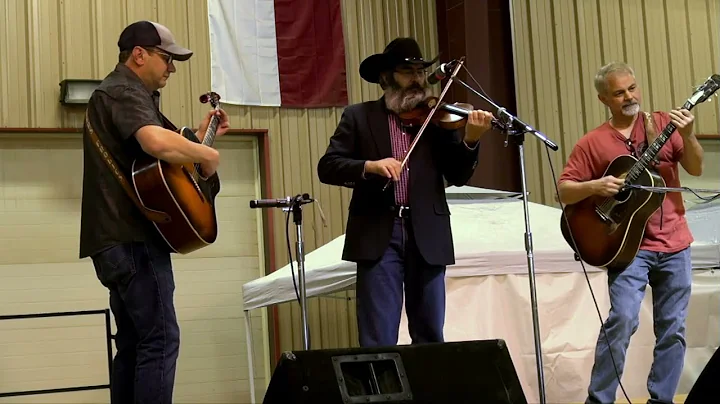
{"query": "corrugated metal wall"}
{"type": "Point", "coordinates": [369, 26]}
{"type": "Point", "coordinates": [45, 41]}
{"type": "Point", "coordinates": [560, 45]}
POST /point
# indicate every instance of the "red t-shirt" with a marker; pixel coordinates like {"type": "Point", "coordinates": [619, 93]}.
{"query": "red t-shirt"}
{"type": "Point", "coordinates": [596, 149]}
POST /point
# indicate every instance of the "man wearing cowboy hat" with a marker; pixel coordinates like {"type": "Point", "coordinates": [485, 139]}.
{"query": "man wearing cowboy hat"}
{"type": "Point", "coordinates": [399, 235]}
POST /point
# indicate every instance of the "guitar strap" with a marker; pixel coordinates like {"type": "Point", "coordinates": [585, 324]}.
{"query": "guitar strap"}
{"type": "Point", "coordinates": [649, 121]}
{"type": "Point", "coordinates": [150, 214]}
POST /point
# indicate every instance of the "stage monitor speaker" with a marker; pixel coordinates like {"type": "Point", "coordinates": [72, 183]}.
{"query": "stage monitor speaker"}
{"type": "Point", "coordinates": [452, 372]}
{"type": "Point", "coordinates": [706, 388]}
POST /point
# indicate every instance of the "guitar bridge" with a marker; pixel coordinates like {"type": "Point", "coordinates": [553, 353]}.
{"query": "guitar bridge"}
{"type": "Point", "coordinates": [605, 218]}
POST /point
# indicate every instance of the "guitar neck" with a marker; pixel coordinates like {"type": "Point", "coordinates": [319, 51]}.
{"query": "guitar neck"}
{"type": "Point", "coordinates": [209, 138]}
{"type": "Point", "coordinates": [652, 151]}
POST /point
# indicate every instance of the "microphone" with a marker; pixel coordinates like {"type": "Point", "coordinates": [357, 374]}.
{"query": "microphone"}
{"type": "Point", "coordinates": [280, 203]}
{"type": "Point", "coordinates": [441, 72]}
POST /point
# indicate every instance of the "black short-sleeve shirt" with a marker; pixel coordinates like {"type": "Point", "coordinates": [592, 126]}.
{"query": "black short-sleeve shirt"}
{"type": "Point", "coordinates": [117, 109]}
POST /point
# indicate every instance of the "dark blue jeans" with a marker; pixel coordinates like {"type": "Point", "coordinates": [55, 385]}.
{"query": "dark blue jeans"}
{"type": "Point", "coordinates": [670, 276]}
{"type": "Point", "coordinates": [379, 291]}
{"type": "Point", "coordinates": [140, 280]}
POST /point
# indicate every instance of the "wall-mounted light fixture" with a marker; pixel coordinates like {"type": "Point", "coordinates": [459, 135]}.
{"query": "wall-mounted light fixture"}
{"type": "Point", "coordinates": [77, 91]}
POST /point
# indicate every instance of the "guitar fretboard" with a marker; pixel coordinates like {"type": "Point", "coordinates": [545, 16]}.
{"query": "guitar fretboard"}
{"type": "Point", "coordinates": [649, 155]}
{"type": "Point", "coordinates": [208, 140]}
{"type": "Point", "coordinates": [212, 127]}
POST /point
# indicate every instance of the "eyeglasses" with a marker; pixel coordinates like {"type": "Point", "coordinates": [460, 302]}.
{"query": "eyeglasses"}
{"type": "Point", "coordinates": [168, 58]}
{"type": "Point", "coordinates": [412, 72]}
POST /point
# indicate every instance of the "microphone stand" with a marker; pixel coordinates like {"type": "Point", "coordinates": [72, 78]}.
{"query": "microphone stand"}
{"type": "Point", "coordinates": [296, 209]}
{"type": "Point", "coordinates": [294, 205]}
{"type": "Point", "coordinates": [512, 126]}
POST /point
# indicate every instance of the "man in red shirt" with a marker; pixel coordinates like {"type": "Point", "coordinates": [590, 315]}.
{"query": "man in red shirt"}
{"type": "Point", "coordinates": [663, 260]}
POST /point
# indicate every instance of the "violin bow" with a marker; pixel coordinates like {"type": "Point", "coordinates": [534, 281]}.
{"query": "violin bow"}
{"type": "Point", "coordinates": [429, 117]}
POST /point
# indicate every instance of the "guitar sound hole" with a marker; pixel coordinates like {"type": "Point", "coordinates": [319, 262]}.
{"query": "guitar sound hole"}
{"type": "Point", "coordinates": [623, 196]}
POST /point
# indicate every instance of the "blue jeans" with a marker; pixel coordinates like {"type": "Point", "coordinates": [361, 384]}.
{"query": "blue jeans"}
{"type": "Point", "coordinates": [140, 280]}
{"type": "Point", "coordinates": [379, 291]}
{"type": "Point", "coordinates": [670, 276]}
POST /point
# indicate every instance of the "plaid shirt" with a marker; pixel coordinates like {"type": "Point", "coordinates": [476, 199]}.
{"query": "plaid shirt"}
{"type": "Point", "coordinates": [400, 141]}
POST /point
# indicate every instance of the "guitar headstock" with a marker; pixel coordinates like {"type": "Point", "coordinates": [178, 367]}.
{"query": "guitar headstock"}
{"type": "Point", "coordinates": [703, 92]}
{"type": "Point", "coordinates": [212, 97]}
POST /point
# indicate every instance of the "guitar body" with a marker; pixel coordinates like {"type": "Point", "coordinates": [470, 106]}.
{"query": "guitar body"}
{"type": "Point", "coordinates": [608, 235]}
{"type": "Point", "coordinates": [171, 188]}
{"type": "Point", "coordinates": [607, 232]}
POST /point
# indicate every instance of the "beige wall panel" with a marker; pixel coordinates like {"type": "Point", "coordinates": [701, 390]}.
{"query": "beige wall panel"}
{"type": "Point", "coordinates": [109, 19]}
{"type": "Point", "coordinates": [704, 52]}
{"type": "Point", "coordinates": [525, 79]}
{"type": "Point", "coordinates": [546, 87]}
{"type": "Point", "coordinates": [45, 63]}
{"type": "Point", "coordinates": [590, 55]}
{"type": "Point", "coordinates": [304, 139]}
{"type": "Point", "coordinates": [14, 71]}
{"type": "Point", "coordinates": [49, 353]}
{"type": "Point", "coordinates": [559, 46]}
{"type": "Point", "coordinates": [39, 223]}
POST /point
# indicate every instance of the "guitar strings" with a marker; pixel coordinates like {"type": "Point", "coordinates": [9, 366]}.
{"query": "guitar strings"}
{"type": "Point", "coordinates": [643, 161]}
{"type": "Point", "coordinates": [209, 134]}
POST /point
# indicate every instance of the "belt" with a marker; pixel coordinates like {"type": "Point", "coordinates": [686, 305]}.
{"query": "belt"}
{"type": "Point", "coordinates": [401, 211]}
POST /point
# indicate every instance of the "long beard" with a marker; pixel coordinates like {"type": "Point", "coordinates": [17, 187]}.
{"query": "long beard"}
{"type": "Point", "coordinates": [401, 100]}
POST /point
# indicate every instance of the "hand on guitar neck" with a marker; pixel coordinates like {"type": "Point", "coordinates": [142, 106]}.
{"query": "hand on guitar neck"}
{"type": "Point", "coordinates": [216, 120]}
{"type": "Point", "coordinates": [223, 124]}
{"type": "Point", "coordinates": [682, 119]}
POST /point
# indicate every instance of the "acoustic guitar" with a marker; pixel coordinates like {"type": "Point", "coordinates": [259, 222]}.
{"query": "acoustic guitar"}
{"type": "Point", "coordinates": [180, 192]}
{"type": "Point", "coordinates": [607, 232]}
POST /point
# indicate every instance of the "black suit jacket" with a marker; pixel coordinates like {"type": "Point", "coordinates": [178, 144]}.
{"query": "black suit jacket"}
{"type": "Point", "coordinates": [363, 134]}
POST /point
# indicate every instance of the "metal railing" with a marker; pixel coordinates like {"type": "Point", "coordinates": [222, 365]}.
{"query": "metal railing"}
{"type": "Point", "coordinates": [108, 335]}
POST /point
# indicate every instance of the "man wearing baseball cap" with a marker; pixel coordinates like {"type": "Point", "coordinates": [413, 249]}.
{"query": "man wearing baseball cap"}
{"type": "Point", "coordinates": [152, 34]}
{"type": "Point", "coordinates": [130, 257]}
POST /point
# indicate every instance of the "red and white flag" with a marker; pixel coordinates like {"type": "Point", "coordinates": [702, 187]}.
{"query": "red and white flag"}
{"type": "Point", "coordinates": [287, 53]}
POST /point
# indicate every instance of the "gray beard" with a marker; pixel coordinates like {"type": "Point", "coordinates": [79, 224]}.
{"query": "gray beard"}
{"type": "Point", "coordinates": [631, 110]}
{"type": "Point", "coordinates": [404, 100]}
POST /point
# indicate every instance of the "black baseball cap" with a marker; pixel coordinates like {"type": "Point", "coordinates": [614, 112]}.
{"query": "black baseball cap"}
{"type": "Point", "coordinates": [148, 33]}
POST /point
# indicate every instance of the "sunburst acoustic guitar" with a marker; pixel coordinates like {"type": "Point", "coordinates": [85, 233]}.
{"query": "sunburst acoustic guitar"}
{"type": "Point", "coordinates": [607, 232]}
{"type": "Point", "coordinates": [178, 191]}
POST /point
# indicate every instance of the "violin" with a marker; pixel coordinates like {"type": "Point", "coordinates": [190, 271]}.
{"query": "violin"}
{"type": "Point", "coordinates": [447, 116]}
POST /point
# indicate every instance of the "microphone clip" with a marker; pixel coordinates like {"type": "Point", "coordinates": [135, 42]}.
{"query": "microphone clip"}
{"type": "Point", "coordinates": [442, 71]}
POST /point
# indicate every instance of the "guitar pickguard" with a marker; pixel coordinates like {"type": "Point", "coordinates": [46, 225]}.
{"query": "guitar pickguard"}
{"type": "Point", "coordinates": [615, 210]}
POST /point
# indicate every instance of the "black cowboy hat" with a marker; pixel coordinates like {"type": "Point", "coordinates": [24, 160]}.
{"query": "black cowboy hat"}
{"type": "Point", "coordinates": [399, 51]}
